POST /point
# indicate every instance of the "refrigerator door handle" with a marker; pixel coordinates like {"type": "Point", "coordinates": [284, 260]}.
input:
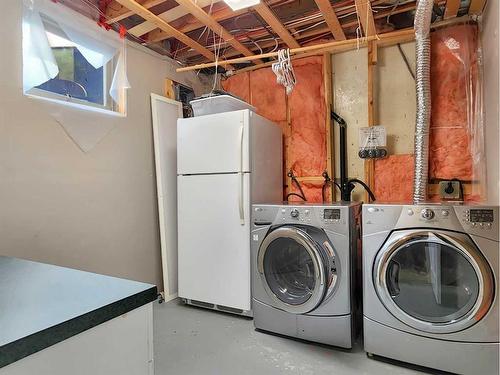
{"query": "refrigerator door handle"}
{"type": "Point", "coordinates": [242, 182]}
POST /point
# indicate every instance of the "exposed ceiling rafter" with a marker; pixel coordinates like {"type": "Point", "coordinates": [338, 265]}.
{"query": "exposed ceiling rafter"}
{"type": "Point", "coordinates": [150, 16]}
{"type": "Point", "coordinates": [116, 12]}
{"type": "Point", "coordinates": [331, 19]}
{"type": "Point", "coordinates": [268, 15]}
{"type": "Point", "coordinates": [168, 16]}
{"type": "Point", "coordinates": [216, 27]}
{"type": "Point", "coordinates": [365, 15]}
{"type": "Point", "coordinates": [452, 8]}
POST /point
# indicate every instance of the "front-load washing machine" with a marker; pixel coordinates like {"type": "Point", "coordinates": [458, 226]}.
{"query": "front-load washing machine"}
{"type": "Point", "coordinates": [430, 275]}
{"type": "Point", "coordinates": [304, 261]}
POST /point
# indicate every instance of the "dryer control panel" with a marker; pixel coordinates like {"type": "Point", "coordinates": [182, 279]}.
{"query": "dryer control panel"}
{"type": "Point", "coordinates": [479, 217]}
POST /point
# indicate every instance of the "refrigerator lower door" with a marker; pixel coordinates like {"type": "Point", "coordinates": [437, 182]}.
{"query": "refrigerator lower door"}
{"type": "Point", "coordinates": [214, 239]}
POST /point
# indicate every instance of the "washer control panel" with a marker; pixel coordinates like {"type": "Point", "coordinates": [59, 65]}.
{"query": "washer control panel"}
{"type": "Point", "coordinates": [480, 218]}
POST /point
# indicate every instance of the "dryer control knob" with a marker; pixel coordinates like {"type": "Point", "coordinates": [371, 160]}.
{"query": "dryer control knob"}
{"type": "Point", "coordinates": [294, 213]}
{"type": "Point", "coordinates": [427, 214]}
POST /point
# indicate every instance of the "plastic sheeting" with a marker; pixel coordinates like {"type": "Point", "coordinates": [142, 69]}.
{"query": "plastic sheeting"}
{"type": "Point", "coordinates": [304, 134]}
{"type": "Point", "coordinates": [456, 137]}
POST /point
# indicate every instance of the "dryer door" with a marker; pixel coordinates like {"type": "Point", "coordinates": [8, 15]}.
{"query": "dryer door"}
{"type": "Point", "coordinates": [433, 281]}
{"type": "Point", "coordinates": [295, 269]}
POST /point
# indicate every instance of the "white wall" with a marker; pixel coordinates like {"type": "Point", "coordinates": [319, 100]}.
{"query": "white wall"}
{"type": "Point", "coordinates": [490, 41]}
{"type": "Point", "coordinates": [394, 111]}
{"type": "Point", "coordinates": [95, 211]}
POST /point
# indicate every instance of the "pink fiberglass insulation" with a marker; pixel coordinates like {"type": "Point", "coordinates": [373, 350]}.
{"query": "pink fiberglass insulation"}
{"type": "Point", "coordinates": [454, 76]}
{"type": "Point", "coordinates": [307, 145]}
{"type": "Point", "coordinates": [453, 88]}
{"type": "Point", "coordinates": [238, 85]}
{"type": "Point", "coordinates": [394, 178]}
{"type": "Point", "coordinates": [305, 139]}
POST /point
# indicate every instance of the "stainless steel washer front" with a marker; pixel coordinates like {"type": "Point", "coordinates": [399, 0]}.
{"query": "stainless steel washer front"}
{"type": "Point", "coordinates": [297, 270]}
{"type": "Point", "coordinates": [434, 281]}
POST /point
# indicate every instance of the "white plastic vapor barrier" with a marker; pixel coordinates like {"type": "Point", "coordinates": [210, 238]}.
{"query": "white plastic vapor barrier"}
{"type": "Point", "coordinates": [97, 45]}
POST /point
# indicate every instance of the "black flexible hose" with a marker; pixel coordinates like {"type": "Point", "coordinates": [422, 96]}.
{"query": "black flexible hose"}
{"type": "Point", "coordinates": [297, 183]}
{"type": "Point", "coordinates": [295, 195]}
{"type": "Point", "coordinates": [365, 186]}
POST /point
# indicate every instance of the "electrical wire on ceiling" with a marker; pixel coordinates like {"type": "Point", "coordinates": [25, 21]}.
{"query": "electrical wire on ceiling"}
{"type": "Point", "coordinates": [140, 41]}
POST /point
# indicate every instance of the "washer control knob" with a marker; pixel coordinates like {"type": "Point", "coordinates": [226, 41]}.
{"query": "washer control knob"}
{"type": "Point", "coordinates": [427, 214]}
{"type": "Point", "coordinates": [445, 213]}
{"type": "Point", "coordinates": [294, 213]}
{"type": "Point", "coordinates": [372, 209]}
{"type": "Point", "coordinates": [410, 212]}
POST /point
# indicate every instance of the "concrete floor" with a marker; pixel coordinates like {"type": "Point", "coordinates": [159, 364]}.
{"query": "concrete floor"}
{"type": "Point", "coordinates": [191, 341]}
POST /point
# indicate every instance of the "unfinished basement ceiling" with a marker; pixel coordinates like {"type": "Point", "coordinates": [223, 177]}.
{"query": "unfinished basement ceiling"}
{"type": "Point", "coordinates": [302, 22]}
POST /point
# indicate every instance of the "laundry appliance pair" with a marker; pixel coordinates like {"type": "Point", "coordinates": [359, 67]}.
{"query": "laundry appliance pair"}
{"type": "Point", "coordinates": [430, 294]}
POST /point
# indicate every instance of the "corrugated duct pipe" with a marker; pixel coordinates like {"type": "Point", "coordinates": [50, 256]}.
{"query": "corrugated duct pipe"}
{"type": "Point", "coordinates": [423, 17]}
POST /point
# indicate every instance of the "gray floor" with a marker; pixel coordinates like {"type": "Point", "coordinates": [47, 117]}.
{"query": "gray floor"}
{"type": "Point", "coordinates": [190, 340]}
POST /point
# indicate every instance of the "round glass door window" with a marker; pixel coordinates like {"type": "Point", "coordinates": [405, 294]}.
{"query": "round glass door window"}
{"type": "Point", "coordinates": [432, 281]}
{"type": "Point", "coordinates": [289, 271]}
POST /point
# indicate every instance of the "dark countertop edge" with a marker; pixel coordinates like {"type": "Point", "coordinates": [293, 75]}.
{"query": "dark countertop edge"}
{"type": "Point", "coordinates": [31, 344]}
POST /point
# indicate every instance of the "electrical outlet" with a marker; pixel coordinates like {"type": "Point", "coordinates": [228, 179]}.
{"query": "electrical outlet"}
{"type": "Point", "coordinates": [450, 190]}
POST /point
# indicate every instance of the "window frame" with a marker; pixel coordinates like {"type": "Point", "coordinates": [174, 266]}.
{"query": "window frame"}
{"type": "Point", "coordinates": [109, 104]}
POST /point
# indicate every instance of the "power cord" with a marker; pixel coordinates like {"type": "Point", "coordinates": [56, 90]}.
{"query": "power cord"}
{"type": "Point", "coordinates": [297, 183]}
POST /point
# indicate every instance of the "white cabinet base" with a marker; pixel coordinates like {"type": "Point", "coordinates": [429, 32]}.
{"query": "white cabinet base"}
{"type": "Point", "coordinates": [123, 345]}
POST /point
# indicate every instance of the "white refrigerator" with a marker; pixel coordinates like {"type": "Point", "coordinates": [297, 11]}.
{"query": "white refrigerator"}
{"type": "Point", "coordinates": [225, 163]}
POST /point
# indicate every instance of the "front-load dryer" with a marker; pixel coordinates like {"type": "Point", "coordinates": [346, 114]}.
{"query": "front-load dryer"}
{"type": "Point", "coordinates": [304, 261]}
{"type": "Point", "coordinates": [430, 285]}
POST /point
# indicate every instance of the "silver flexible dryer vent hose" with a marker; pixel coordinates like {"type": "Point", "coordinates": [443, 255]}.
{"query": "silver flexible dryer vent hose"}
{"type": "Point", "coordinates": [423, 17]}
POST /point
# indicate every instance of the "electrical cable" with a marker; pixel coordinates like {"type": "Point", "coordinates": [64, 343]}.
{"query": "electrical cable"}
{"type": "Point", "coordinates": [297, 183]}
{"type": "Point", "coordinates": [327, 182]}
{"type": "Point", "coordinates": [365, 186]}
{"type": "Point", "coordinates": [403, 55]}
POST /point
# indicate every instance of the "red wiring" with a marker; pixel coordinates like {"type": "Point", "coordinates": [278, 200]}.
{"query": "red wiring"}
{"type": "Point", "coordinates": [103, 5]}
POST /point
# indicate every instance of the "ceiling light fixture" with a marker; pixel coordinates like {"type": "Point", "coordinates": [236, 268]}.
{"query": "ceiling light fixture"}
{"type": "Point", "coordinates": [240, 4]}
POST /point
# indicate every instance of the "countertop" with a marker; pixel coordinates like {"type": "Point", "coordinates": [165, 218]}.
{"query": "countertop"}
{"type": "Point", "coordinates": [42, 304]}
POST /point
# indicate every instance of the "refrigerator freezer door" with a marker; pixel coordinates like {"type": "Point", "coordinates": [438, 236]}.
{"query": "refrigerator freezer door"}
{"type": "Point", "coordinates": [213, 144]}
{"type": "Point", "coordinates": [214, 240]}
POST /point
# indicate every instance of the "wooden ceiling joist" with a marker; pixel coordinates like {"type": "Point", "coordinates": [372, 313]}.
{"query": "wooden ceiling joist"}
{"type": "Point", "coordinates": [151, 17]}
{"type": "Point", "coordinates": [313, 33]}
{"type": "Point", "coordinates": [365, 15]}
{"type": "Point", "coordinates": [168, 16]}
{"type": "Point", "coordinates": [191, 23]}
{"type": "Point", "coordinates": [216, 27]}
{"type": "Point", "coordinates": [476, 6]}
{"type": "Point", "coordinates": [452, 8]}
{"type": "Point", "coordinates": [267, 14]}
{"type": "Point", "coordinates": [116, 12]}
{"type": "Point", "coordinates": [331, 19]}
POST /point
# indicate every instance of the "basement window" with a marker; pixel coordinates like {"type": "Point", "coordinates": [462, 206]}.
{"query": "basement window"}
{"type": "Point", "coordinates": [62, 63]}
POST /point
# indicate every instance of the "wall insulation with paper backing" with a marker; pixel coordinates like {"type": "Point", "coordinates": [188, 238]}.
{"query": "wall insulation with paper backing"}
{"type": "Point", "coordinates": [456, 134]}
{"type": "Point", "coordinates": [304, 128]}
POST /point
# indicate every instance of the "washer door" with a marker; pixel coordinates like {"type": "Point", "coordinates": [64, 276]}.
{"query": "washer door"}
{"type": "Point", "coordinates": [295, 269]}
{"type": "Point", "coordinates": [433, 281]}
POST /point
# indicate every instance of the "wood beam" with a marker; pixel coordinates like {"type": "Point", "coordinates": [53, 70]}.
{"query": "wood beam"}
{"type": "Point", "coordinates": [116, 12]}
{"type": "Point", "coordinates": [476, 6]}
{"type": "Point", "coordinates": [268, 15]}
{"type": "Point", "coordinates": [313, 33]}
{"type": "Point", "coordinates": [168, 16]}
{"type": "Point", "coordinates": [370, 163]}
{"type": "Point", "coordinates": [330, 150]}
{"type": "Point", "coordinates": [365, 14]}
{"type": "Point", "coordinates": [324, 47]}
{"type": "Point", "coordinates": [190, 23]}
{"type": "Point", "coordinates": [452, 8]}
{"type": "Point", "coordinates": [216, 27]}
{"type": "Point", "coordinates": [149, 16]}
{"type": "Point", "coordinates": [331, 19]}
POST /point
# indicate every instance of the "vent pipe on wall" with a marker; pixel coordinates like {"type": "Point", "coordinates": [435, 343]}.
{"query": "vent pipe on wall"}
{"type": "Point", "coordinates": [423, 18]}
